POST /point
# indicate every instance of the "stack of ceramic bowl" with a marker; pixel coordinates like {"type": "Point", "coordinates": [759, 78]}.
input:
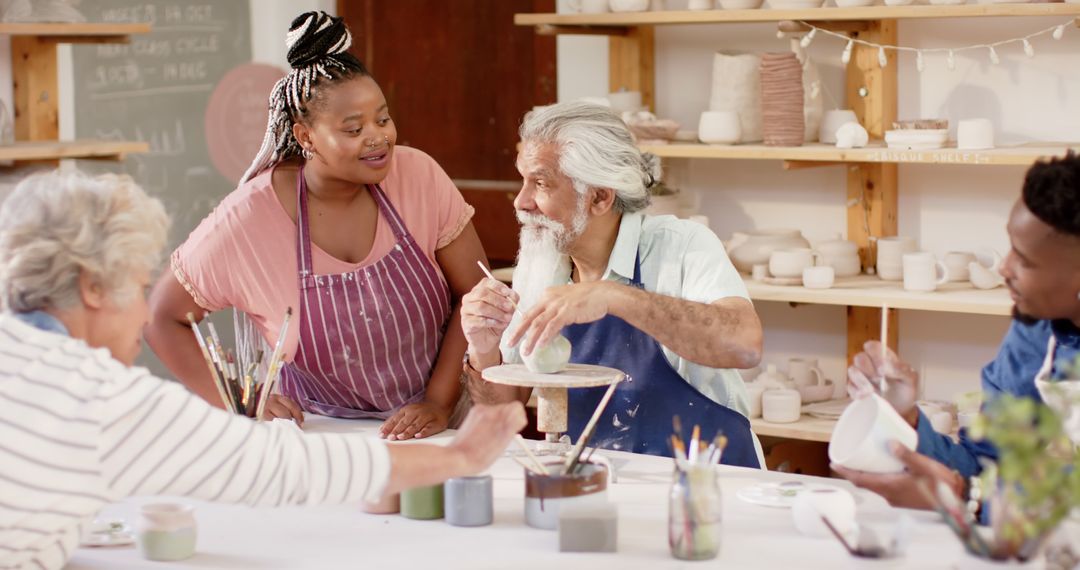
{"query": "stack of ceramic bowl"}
{"type": "Point", "coordinates": [782, 99]}
{"type": "Point", "coordinates": [925, 134]}
{"type": "Point", "coordinates": [841, 255]}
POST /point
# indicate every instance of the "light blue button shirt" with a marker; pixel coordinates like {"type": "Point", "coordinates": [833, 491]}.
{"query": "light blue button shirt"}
{"type": "Point", "coordinates": [682, 259]}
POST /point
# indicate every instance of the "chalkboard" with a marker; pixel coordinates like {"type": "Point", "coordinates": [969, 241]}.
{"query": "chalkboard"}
{"type": "Point", "coordinates": [158, 89]}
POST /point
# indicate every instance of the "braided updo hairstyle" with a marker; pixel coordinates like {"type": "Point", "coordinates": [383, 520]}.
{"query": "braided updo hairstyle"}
{"type": "Point", "coordinates": [318, 44]}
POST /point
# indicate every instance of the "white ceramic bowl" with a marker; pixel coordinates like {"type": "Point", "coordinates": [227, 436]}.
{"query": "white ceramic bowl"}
{"type": "Point", "coordinates": [790, 262]}
{"type": "Point", "coordinates": [741, 4]}
{"type": "Point", "coordinates": [983, 278]}
{"type": "Point", "coordinates": [845, 265]}
{"type": "Point", "coordinates": [820, 277]}
{"type": "Point", "coordinates": [629, 5]}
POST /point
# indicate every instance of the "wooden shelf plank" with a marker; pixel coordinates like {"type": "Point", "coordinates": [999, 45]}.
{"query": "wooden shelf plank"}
{"type": "Point", "coordinates": [1022, 155]}
{"type": "Point", "coordinates": [55, 150]}
{"type": "Point", "coordinates": [869, 291]}
{"type": "Point", "coordinates": [71, 32]}
{"type": "Point", "coordinates": [806, 429]}
{"type": "Point", "coordinates": [810, 15]}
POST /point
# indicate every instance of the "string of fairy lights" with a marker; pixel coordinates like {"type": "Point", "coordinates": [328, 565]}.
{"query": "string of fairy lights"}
{"type": "Point", "coordinates": [1056, 32]}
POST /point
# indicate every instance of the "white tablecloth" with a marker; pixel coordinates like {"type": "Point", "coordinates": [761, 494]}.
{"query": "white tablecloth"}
{"type": "Point", "coordinates": [345, 537]}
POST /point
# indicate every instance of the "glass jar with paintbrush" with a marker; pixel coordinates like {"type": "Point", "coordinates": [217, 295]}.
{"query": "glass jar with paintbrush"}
{"type": "Point", "coordinates": [694, 504]}
{"type": "Point", "coordinates": [243, 381]}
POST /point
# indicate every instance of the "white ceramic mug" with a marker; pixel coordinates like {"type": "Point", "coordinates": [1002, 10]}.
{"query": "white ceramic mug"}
{"type": "Point", "coordinates": [760, 272]}
{"type": "Point", "coordinates": [625, 101]}
{"type": "Point", "coordinates": [781, 406]}
{"type": "Point", "coordinates": [832, 121]}
{"type": "Point", "coordinates": [975, 134]}
{"type": "Point", "coordinates": [861, 437]}
{"type": "Point", "coordinates": [589, 6]}
{"type": "Point", "coordinates": [700, 5]}
{"type": "Point", "coordinates": [754, 393]}
{"type": "Point", "coordinates": [956, 262]}
{"type": "Point", "coordinates": [791, 262]}
{"type": "Point", "coordinates": [820, 277]}
{"type": "Point", "coordinates": [890, 251]}
{"type": "Point", "coordinates": [804, 371]}
{"type": "Point", "coordinates": [921, 271]}
{"type": "Point", "coordinates": [719, 127]}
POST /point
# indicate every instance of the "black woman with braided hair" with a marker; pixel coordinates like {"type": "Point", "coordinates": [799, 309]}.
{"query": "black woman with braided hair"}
{"type": "Point", "coordinates": [370, 243]}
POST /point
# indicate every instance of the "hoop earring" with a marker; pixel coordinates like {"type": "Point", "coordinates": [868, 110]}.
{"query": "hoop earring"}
{"type": "Point", "coordinates": [307, 154]}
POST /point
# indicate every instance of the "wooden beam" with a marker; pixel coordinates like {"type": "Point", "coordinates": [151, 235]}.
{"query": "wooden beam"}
{"type": "Point", "coordinates": [842, 27]}
{"type": "Point", "coordinates": [88, 39]}
{"type": "Point", "coordinates": [553, 30]}
{"type": "Point", "coordinates": [34, 75]}
{"type": "Point", "coordinates": [871, 92]}
{"type": "Point", "coordinates": [631, 64]}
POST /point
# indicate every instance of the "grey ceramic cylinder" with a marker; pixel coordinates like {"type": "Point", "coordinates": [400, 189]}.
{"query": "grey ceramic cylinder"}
{"type": "Point", "coordinates": [469, 501]}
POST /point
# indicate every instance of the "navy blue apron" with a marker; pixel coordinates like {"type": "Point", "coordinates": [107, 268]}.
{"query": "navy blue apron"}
{"type": "Point", "coordinates": [638, 417]}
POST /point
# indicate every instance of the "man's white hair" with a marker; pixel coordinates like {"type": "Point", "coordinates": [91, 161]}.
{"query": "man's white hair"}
{"type": "Point", "coordinates": [55, 226]}
{"type": "Point", "coordinates": [596, 150]}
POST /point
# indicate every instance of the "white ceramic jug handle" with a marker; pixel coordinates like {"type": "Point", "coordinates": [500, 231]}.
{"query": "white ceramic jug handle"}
{"type": "Point", "coordinates": [819, 375]}
{"type": "Point", "coordinates": [816, 258]}
{"type": "Point", "coordinates": [944, 272]}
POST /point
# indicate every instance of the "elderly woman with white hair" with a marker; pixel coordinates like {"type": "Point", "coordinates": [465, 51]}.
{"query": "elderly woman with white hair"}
{"type": "Point", "coordinates": [81, 427]}
{"type": "Point", "coordinates": [653, 296]}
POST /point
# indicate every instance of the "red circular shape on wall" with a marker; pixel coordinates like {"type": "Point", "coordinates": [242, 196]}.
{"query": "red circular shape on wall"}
{"type": "Point", "coordinates": [236, 117]}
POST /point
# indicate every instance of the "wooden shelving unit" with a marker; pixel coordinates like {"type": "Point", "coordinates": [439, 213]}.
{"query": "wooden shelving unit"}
{"type": "Point", "coordinates": [875, 153]}
{"type": "Point", "coordinates": [56, 150]}
{"type": "Point", "coordinates": [871, 91]}
{"type": "Point", "coordinates": [36, 105]}
{"type": "Point", "coordinates": [870, 13]}
{"type": "Point", "coordinates": [76, 33]}
{"type": "Point", "coordinates": [806, 429]}
{"type": "Point", "coordinates": [869, 291]}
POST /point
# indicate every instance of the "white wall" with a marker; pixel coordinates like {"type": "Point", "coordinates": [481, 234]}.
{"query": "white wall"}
{"type": "Point", "coordinates": [944, 207]}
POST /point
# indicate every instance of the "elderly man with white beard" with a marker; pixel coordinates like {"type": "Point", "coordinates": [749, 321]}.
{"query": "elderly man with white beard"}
{"type": "Point", "coordinates": [653, 296]}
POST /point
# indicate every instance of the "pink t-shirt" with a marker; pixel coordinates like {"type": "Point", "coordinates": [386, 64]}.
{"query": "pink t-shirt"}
{"type": "Point", "coordinates": [243, 254]}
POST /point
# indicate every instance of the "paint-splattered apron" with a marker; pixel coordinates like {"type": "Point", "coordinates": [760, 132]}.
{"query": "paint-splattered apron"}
{"type": "Point", "coordinates": [1062, 396]}
{"type": "Point", "coordinates": [368, 338]}
{"type": "Point", "coordinates": [638, 417]}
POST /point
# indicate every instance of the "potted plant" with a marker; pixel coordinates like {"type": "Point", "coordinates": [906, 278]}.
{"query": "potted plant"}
{"type": "Point", "coordinates": [1035, 483]}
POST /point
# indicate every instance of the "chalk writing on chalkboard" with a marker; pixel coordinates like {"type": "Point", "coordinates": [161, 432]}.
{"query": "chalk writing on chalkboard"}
{"type": "Point", "coordinates": [156, 89]}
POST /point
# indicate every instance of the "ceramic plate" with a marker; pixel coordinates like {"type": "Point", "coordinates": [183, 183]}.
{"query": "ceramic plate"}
{"type": "Point", "coordinates": [829, 409]}
{"type": "Point", "coordinates": [779, 495]}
